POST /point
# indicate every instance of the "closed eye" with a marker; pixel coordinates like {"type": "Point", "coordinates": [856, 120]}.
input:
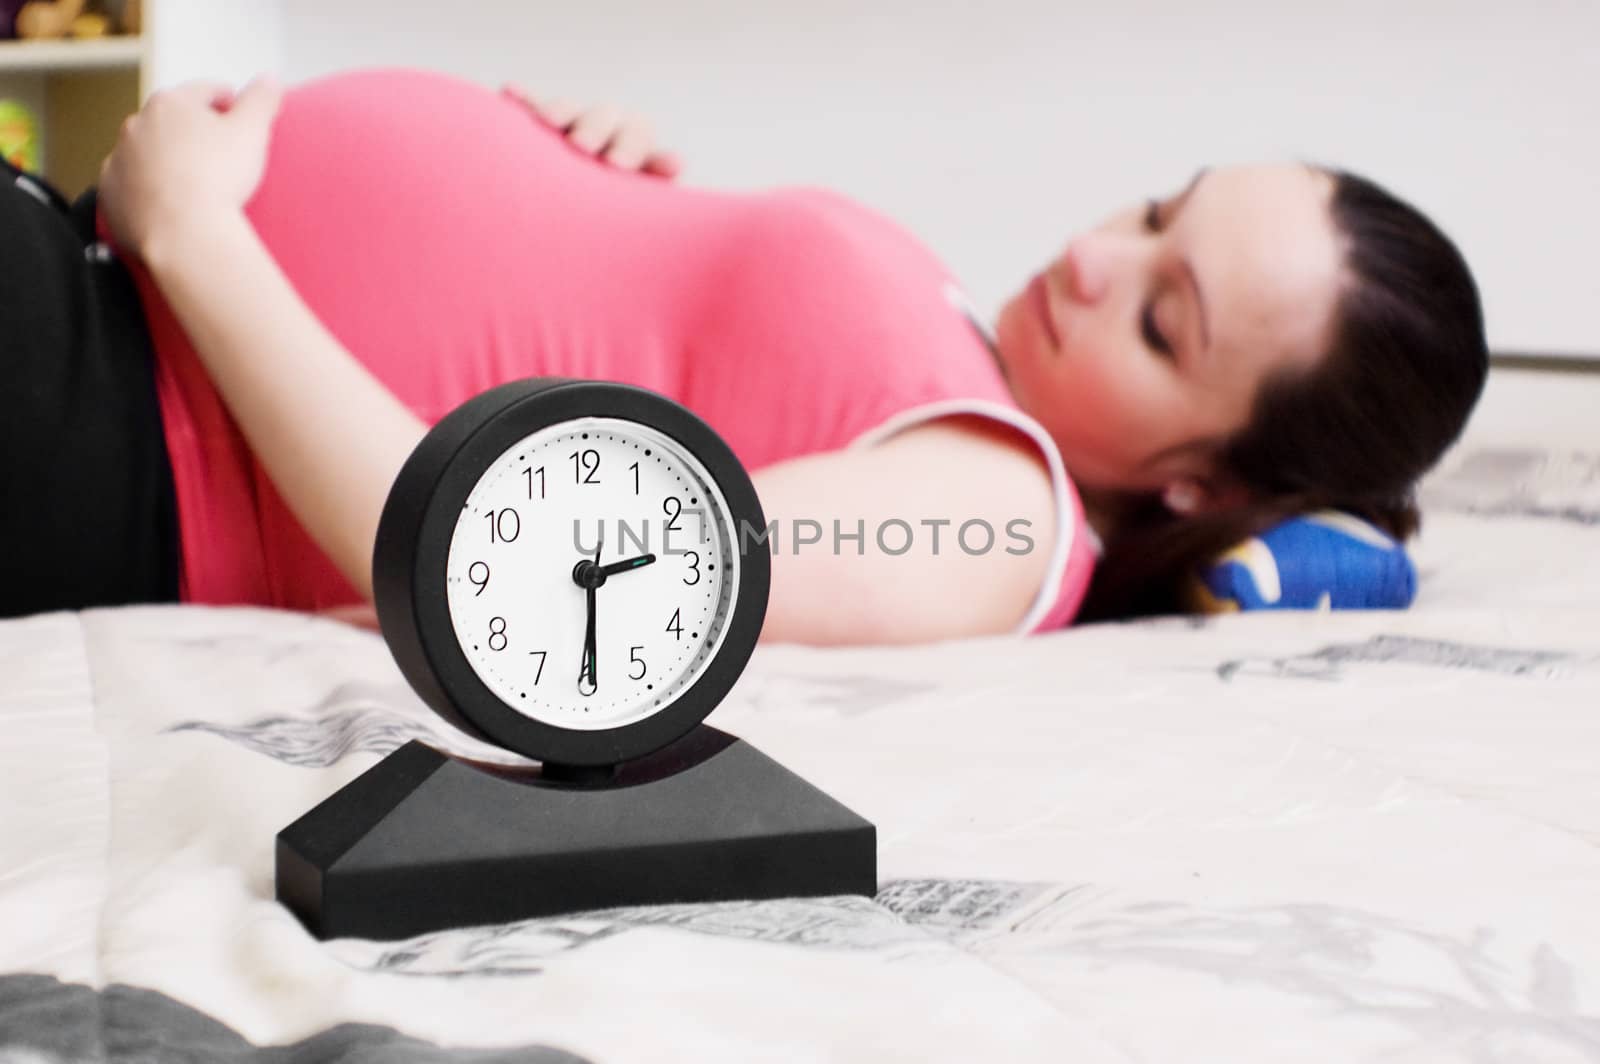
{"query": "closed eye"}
{"type": "Point", "coordinates": [1148, 328]}
{"type": "Point", "coordinates": [1152, 216]}
{"type": "Point", "coordinates": [1152, 332]}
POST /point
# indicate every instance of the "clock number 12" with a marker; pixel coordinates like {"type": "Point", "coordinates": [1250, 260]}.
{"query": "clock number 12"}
{"type": "Point", "coordinates": [585, 464]}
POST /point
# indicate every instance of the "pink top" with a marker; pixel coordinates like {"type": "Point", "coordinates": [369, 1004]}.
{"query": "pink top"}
{"type": "Point", "coordinates": [452, 243]}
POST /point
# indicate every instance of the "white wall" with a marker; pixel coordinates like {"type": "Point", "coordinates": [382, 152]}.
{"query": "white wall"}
{"type": "Point", "coordinates": [995, 134]}
{"type": "Point", "coordinates": [225, 40]}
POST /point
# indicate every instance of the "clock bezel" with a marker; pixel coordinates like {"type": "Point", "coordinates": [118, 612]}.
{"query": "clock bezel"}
{"type": "Point", "coordinates": [419, 520]}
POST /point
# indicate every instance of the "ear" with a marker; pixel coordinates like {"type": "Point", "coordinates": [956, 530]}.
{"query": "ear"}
{"type": "Point", "coordinates": [1188, 495]}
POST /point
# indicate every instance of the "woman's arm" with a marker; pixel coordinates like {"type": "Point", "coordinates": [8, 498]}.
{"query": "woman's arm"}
{"type": "Point", "coordinates": [330, 436]}
{"type": "Point", "coordinates": [924, 581]}
{"type": "Point", "coordinates": [328, 433]}
{"type": "Point", "coordinates": [948, 471]}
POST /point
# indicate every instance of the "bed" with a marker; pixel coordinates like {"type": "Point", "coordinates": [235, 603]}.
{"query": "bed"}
{"type": "Point", "coordinates": [1259, 837]}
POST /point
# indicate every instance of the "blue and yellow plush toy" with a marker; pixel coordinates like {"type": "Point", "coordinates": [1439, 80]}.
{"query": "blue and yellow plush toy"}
{"type": "Point", "coordinates": [1323, 560]}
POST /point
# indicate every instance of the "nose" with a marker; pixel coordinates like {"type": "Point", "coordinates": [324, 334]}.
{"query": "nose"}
{"type": "Point", "coordinates": [1085, 268]}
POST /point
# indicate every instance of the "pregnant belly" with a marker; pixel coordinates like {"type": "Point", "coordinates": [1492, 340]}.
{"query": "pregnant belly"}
{"type": "Point", "coordinates": [452, 242]}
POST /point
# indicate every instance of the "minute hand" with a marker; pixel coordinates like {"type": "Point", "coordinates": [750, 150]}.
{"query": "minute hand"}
{"type": "Point", "coordinates": [588, 675]}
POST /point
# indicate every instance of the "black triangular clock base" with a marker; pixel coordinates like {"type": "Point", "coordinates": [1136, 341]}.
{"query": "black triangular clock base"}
{"type": "Point", "coordinates": [424, 841]}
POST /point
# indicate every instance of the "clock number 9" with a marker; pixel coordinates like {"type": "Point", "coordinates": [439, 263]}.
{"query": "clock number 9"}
{"type": "Point", "coordinates": [497, 633]}
{"type": "Point", "coordinates": [472, 574]}
{"type": "Point", "coordinates": [498, 526]}
{"type": "Point", "coordinates": [585, 464]}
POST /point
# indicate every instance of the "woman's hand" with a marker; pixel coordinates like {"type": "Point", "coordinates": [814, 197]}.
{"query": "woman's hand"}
{"type": "Point", "coordinates": [605, 131]}
{"type": "Point", "coordinates": [190, 152]}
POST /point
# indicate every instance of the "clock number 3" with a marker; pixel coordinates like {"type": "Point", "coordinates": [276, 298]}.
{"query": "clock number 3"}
{"type": "Point", "coordinates": [694, 567]}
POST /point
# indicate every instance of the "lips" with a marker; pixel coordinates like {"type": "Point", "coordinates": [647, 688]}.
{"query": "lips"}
{"type": "Point", "coordinates": [1039, 300]}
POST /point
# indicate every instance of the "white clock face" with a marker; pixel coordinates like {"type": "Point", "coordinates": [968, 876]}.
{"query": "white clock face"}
{"type": "Point", "coordinates": [552, 501]}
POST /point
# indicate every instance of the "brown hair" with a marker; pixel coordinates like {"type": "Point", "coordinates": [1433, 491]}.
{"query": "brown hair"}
{"type": "Point", "coordinates": [1404, 369]}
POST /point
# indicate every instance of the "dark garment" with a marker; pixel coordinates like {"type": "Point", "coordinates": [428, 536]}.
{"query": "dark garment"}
{"type": "Point", "coordinates": [87, 512]}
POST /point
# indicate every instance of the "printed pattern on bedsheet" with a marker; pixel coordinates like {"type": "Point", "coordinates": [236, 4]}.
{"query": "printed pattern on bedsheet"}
{"type": "Point", "coordinates": [1313, 837]}
{"type": "Point", "coordinates": [46, 1021]}
{"type": "Point", "coordinates": [1520, 481]}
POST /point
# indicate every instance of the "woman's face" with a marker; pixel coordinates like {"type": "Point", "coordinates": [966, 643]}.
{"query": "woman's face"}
{"type": "Point", "coordinates": [1143, 343]}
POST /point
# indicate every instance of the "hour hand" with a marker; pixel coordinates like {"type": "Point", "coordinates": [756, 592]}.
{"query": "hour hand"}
{"type": "Point", "coordinates": [625, 565]}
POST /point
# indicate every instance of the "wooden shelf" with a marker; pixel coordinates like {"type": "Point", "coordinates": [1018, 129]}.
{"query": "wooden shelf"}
{"type": "Point", "coordinates": [100, 53]}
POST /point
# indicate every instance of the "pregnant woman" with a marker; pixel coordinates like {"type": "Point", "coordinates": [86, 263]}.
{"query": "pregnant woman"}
{"type": "Point", "coordinates": [326, 272]}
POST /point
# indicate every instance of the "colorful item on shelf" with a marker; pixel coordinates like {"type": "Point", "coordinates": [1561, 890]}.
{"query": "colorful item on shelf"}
{"type": "Point", "coordinates": [88, 25]}
{"type": "Point", "coordinates": [8, 17]}
{"type": "Point", "coordinates": [48, 19]}
{"type": "Point", "coordinates": [42, 20]}
{"type": "Point", "coordinates": [127, 15]}
{"type": "Point", "coordinates": [19, 136]}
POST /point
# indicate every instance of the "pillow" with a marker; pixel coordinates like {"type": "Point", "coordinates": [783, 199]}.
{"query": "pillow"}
{"type": "Point", "coordinates": [1323, 560]}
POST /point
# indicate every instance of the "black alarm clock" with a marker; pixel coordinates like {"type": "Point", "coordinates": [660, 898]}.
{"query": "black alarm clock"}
{"type": "Point", "coordinates": [575, 571]}
{"type": "Point", "coordinates": [559, 571]}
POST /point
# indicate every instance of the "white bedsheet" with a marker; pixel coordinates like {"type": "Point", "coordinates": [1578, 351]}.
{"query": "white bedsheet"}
{"type": "Point", "coordinates": [1270, 837]}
